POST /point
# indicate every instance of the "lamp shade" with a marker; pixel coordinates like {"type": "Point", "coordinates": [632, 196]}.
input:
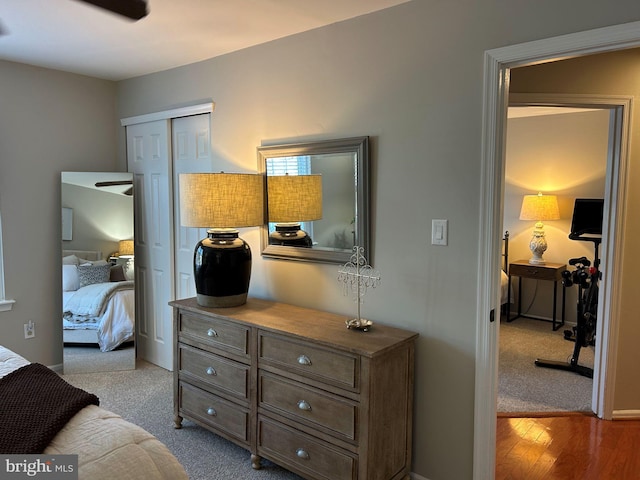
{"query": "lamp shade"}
{"type": "Point", "coordinates": [222, 261]}
{"type": "Point", "coordinates": [125, 248]}
{"type": "Point", "coordinates": [540, 207]}
{"type": "Point", "coordinates": [221, 200]}
{"type": "Point", "coordinates": [294, 198]}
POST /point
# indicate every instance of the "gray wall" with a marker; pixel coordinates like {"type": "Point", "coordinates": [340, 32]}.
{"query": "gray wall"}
{"type": "Point", "coordinates": [49, 122]}
{"type": "Point", "coordinates": [410, 77]}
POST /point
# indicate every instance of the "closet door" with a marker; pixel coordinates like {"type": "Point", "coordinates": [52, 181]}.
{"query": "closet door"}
{"type": "Point", "coordinates": [149, 159]}
{"type": "Point", "coordinates": [191, 154]}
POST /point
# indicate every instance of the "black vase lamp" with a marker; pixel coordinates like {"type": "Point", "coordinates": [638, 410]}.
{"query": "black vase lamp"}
{"type": "Point", "coordinates": [222, 261]}
{"type": "Point", "coordinates": [293, 199]}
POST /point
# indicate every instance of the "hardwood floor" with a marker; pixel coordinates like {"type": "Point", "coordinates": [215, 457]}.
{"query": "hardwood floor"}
{"type": "Point", "coordinates": [577, 446]}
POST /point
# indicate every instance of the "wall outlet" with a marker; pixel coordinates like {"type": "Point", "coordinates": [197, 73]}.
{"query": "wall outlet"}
{"type": "Point", "coordinates": [29, 330]}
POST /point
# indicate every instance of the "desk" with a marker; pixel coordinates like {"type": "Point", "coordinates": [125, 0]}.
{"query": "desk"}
{"type": "Point", "coordinates": [550, 272]}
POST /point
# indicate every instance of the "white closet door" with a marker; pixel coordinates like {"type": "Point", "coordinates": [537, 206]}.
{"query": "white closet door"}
{"type": "Point", "coordinates": [148, 157]}
{"type": "Point", "coordinates": [191, 154]}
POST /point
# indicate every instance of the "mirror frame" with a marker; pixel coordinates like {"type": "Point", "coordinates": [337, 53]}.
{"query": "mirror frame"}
{"type": "Point", "coordinates": [355, 145]}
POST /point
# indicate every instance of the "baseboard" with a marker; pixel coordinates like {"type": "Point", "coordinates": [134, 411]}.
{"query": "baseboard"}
{"type": "Point", "coordinates": [626, 415]}
{"type": "Point", "coordinates": [59, 368]}
{"type": "Point", "coordinates": [415, 476]}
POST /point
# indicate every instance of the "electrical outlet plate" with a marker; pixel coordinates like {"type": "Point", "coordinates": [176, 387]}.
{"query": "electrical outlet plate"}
{"type": "Point", "coordinates": [29, 330]}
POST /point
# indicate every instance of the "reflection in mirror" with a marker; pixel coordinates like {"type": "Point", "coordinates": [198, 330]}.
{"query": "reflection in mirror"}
{"type": "Point", "coordinates": [98, 297]}
{"type": "Point", "coordinates": [317, 199]}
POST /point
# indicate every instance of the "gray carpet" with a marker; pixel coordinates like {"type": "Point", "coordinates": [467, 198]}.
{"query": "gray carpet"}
{"type": "Point", "coordinates": [86, 359]}
{"type": "Point", "coordinates": [144, 396]}
{"type": "Point", "coordinates": [525, 387]}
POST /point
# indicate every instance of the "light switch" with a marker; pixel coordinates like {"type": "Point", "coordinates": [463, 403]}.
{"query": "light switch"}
{"type": "Point", "coordinates": [439, 232]}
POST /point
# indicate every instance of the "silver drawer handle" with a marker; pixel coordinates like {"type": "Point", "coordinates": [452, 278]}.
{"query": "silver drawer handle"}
{"type": "Point", "coordinates": [304, 360]}
{"type": "Point", "coordinates": [302, 453]}
{"type": "Point", "coordinates": [212, 333]}
{"type": "Point", "coordinates": [304, 405]}
{"type": "Point", "coordinates": [211, 371]}
{"type": "Point", "coordinates": [211, 411]}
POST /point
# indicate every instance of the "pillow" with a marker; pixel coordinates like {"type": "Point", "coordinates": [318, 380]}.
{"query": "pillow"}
{"type": "Point", "coordinates": [70, 279]}
{"type": "Point", "coordinates": [89, 274]}
{"type": "Point", "coordinates": [117, 274]}
{"type": "Point", "coordinates": [70, 260]}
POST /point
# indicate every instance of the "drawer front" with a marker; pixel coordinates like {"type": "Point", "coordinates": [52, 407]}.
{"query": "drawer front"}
{"type": "Point", "coordinates": [214, 370]}
{"type": "Point", "coordinates": [304, 453]}
{"type": "Point", "coordinates": [310, 361]}
{"type": "Point", "coordinates": [215, 332]}
{"type": "Point", "coordinates": [308, 404]}
{"type": "Point", "coordinates": [540, 272]}
{"type": "Point", "coordinates": [214, 411]}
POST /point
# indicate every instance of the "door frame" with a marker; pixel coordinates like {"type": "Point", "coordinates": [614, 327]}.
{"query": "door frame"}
{"type": "Point", "coordinates": [497, 65]}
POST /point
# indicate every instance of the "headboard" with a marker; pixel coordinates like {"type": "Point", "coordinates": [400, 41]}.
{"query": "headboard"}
{"type": "Point", "coordinates": [84, 254]}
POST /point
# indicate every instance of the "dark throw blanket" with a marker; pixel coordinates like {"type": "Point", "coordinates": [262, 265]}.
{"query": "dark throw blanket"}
{"type": "Point", "coordinates": [35, 403]}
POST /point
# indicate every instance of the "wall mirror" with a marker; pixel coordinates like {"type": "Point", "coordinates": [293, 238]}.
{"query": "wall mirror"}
{"type": "Point", "coordinates": [324, 212]}
{"type": "Point", "coordinates": [98, 293]}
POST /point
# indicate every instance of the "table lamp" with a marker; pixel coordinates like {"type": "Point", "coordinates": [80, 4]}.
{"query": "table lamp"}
{"type": "Point", "coordinates": [293, 199]}
{"type": "Point", "coordinates": [221, 202]}
{"type": "Point", "coordinates": [539, 207]}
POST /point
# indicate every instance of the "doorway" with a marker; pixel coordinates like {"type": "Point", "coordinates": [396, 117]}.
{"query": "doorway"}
{"type": "Point", "coordinates": [497, 69]}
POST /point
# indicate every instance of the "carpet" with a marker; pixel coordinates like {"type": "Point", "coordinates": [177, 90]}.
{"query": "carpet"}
{"type": "Point", "coordinates": [525, 387]}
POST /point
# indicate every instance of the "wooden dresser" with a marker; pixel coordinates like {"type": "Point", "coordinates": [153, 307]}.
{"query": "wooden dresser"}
{"type": "Point", "coordinates": [295, 386]}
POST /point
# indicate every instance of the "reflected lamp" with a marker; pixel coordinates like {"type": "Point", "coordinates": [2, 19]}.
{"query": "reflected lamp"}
{"type": "Point", "coordinates": [293, 199]}
{"type": "Point", "coordinates": [221, 202]}
{"type": "Point", "coordinates": [539, 208]}
{"type": "Point", "coordinates": [126, 250]}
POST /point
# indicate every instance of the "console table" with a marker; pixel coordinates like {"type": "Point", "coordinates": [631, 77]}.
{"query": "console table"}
{"type": "Point", "coordinates": [295, 386]}
{"type": "Point", "coordinates": [548, 271]}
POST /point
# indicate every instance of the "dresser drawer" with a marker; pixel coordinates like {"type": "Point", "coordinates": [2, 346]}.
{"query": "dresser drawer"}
{"type": "Point", "coordinates": [214, 371]}
{"type": "Point", "coordinates": [309, 361]}
{"type": "Point", "coordinates": [304, 453]}
{"type": "Point", "coordinates": [215, 332]}
{"type": "Point", "coordinates": [214, 411]}
{"type": "Point", "coordinates": [310, 405]}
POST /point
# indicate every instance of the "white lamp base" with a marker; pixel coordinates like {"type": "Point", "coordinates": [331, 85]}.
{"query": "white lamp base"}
{"type": "Point", "coordinates": [538, 245]}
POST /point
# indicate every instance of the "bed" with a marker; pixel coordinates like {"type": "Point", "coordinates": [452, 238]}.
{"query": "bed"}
{"type": "Point", "coordinates": [107, 446]}
{"type": "Point", "coordinates": [98, 301]}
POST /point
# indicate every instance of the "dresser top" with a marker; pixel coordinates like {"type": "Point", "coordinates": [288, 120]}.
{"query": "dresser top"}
{"type": "Point", "coordinates": [323, 327]}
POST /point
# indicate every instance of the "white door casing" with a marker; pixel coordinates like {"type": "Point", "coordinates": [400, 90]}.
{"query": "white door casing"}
{"type": "Point", "coordinates": [495, 100]}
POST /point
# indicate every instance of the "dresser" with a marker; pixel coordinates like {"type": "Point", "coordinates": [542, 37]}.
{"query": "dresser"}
{"type": "Point", "coordinates": [295, 386]}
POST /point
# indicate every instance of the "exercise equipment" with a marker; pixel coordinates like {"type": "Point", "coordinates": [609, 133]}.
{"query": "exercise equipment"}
{"type": "Point", "coordinates": [586, 226]}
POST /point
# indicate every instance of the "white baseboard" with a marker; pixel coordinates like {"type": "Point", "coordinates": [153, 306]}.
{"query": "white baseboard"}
{"type": "Point", "coordinates": [415, 476]}
{"type": "Point", "coordinates": [626, 414]}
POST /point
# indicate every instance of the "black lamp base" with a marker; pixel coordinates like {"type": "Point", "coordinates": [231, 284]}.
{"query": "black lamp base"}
{"type": "Point", "coordinates": [222, 269]}
{"type": "Point", "coordinates": [289, 234]}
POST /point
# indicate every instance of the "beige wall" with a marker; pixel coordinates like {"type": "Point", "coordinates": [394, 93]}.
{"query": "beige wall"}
{"type": "Point", "coordinates": [410, 77]}
{"type": "Point", "coordinates": [49, 122]}
{"type": "Point", "coordinates": [607, 74]}
{"type": "Point", "coordinates": [563, 155]}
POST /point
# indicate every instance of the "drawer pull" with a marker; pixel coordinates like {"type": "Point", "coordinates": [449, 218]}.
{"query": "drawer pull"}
{"type": "Point", "coordinates": [211, 411]}
{"type": "Point", "coordinates": [212, 333]}
{"type": "Point", "coordinates": [304, 405]}
{"type": "Point", "coordinates": [302, 453]}
{"type": "Point", "coordinates": [211, 371]}
{"type": "Point", "coordinates": [304, 360]}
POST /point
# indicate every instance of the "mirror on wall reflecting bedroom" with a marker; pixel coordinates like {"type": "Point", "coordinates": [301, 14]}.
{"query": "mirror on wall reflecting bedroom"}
{"type": "Point", "coordinates": [98, 295]}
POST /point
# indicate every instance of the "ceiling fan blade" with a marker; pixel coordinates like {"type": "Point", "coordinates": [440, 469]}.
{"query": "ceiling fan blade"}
{"type": "Point", "coordinates": [133, 9]}
{"type": "Point", "coordinates": [114, 183]}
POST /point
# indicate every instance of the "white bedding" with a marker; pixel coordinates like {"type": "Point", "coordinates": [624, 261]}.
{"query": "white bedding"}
{"type": "Point", "coordinates": [504, 287]}
{"type": "Point", "coordinates": [107, 446]}
{"type": "Point", "coordinates": [108, 308]}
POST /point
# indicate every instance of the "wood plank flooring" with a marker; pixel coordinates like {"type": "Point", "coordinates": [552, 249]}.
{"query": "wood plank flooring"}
{"type": "Point", "coordinates": [577, 446]}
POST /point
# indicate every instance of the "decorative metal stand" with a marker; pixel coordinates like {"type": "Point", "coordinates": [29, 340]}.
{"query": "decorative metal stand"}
{"type": "Point", "coordinates": [356, 277]}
